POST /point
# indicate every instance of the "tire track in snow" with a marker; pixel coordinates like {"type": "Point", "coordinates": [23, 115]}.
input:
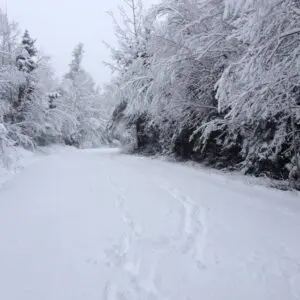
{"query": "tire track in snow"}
{"type": "Point", "coordinates": [289, 267]}
{"type": "Point", "coordinates": [136, 258]}
{"type": "Point", "coordinates": [193, 228]}
{"type": "Point", "coordinates": [294, 283]}
{"type": "Point", "coordinates": [135, 280]}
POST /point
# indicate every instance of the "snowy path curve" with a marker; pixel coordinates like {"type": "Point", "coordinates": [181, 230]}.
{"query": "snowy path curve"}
{"type": "Point", "coordinates": [102, 225]}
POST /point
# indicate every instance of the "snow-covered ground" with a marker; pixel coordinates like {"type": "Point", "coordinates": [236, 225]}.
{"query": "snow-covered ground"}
{"type": "Point", "coordinates": [100, 225]}
{"type": "Point", "coordinates": [16, 161]}
{"type": "Point", "coordinates": [20, 158]}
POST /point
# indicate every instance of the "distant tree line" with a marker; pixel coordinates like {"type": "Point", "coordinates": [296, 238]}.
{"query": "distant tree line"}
{"type": "Point", "coordinates": [36, 108]}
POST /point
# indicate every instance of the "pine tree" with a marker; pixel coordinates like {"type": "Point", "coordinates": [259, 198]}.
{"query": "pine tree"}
{"type": "Point", "coordinates": [75, 65]}
{"type": "Point", "coordinates": [81, 101]}
{"type": "Point", "coordinates": [26, 63]}
{"type": "Point", "coordinates": [27, 60]}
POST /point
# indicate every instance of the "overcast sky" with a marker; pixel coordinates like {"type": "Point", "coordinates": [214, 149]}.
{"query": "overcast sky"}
{"type": "Point", "coordinates": [59, 25]}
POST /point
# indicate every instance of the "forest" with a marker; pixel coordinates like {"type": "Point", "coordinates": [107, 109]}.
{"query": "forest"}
{"type": "Point", "coordinates": [213, 81]}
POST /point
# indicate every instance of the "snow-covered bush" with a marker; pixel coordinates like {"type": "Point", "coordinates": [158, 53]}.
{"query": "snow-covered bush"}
{"type": "Point", "coordinates": [6, 146]}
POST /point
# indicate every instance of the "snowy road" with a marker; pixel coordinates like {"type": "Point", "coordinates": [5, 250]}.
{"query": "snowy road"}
{"type": "Point", "coordinates": [99, 225]}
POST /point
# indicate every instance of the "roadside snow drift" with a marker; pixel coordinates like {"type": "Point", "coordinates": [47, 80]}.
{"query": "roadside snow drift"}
{"type": "Point", "coordinates": [95, 225]}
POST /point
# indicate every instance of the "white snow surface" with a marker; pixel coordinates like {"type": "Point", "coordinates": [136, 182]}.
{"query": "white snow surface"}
{"type": "Point", "coordinates": [101, 225]}
{"type": "Point", "coordinates": [20, 158]}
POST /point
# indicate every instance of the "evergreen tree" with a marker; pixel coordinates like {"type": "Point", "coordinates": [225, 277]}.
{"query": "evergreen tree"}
{"type": "Point", "coordinates": [82, 106]}
{"type": "Point", "coordinates": [27, 60]}
{"type": "Point", "coordinates": [75, 65]}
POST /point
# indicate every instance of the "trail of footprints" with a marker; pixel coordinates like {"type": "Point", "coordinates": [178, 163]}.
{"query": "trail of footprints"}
{"type": "Point", "coordinates": [135, 258]}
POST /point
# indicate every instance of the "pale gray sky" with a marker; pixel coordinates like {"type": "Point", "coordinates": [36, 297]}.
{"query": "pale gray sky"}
{"type": "Point", "coordinates": [59, 25]}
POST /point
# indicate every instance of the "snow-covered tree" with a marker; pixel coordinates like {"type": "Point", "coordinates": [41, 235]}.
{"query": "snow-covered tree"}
{"type": "Point", "coordinates": [80, 103]}
{"type": "Point", "coordinates": [129, 36]}
{"type": "Point", "coordinates": [173, 81]}
{"type": "Point", "coordinates": [8, 81]}
{"type": "Point", "coordinates": [216, 80]}
{"type": "Point", "coordinates": [261, 89]}
{"type": "Point", "coordinates": [76, 63]}
{"type": "Point", "coordinates": [37, 109]}
{"type": "Point", "coordinates": [27, 59]}
{"type": "Point", "coordinates": [26, 80]}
